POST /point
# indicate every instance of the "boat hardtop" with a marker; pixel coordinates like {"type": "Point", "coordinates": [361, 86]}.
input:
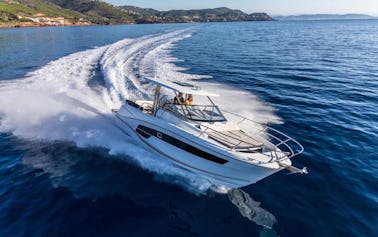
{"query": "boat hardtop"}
{"type": "Point", "coordinates": [180, 86]}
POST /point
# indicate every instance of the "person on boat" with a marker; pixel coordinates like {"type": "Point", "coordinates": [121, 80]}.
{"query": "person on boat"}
{"type": "Point", "coordinates": [189, 100]}
{"type": "Point", "coordinates": [179, 99]}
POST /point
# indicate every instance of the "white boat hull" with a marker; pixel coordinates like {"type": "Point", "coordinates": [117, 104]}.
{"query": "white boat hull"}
{"type": "Point", "coordinates": [187, 150]}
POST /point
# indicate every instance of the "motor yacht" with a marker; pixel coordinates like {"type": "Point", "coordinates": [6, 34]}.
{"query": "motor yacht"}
{"type": "Point", "coordinates": [228, 149]}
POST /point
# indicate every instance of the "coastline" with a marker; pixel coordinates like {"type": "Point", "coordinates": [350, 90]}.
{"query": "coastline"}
{"type": "Point", "coordinates": [37, 25]}
{"type": "Point", "coordinates": [32, 24]}
{"type": "Point", "coordinates": [28, 25]}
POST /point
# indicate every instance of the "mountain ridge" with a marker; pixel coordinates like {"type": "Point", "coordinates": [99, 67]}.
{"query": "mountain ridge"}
{"type": "Point", "coordinates": [89, 12]}
{"type": "Point", "coordinates": [219, 14]}
{"type": "Point", "coordinates": [302, 17]}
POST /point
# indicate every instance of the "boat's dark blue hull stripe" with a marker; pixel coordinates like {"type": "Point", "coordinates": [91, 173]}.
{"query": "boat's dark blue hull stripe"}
{"type": "Point", "coordinates": [147, 132]}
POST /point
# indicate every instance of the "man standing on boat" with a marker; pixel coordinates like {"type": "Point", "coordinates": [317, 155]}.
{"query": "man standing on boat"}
{"type": "Point", "coordinates": [179, 99]}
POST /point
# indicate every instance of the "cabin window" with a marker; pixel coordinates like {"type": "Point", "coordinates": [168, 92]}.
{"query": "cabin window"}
{"type": "Point", "coordinates": [201, 113]}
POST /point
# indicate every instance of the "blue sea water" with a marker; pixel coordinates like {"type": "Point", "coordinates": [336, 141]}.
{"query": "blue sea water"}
{"type": "Point", "coordinates": [65, 170]}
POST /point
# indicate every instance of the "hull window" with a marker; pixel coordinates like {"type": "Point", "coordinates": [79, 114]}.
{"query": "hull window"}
{"type": "Point", "coordinates": [143, 133]}
{"type": "Point", "coordinates": [147, 132]}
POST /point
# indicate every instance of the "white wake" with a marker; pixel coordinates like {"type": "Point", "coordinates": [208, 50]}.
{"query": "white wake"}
{"type": "Point", "coordinates": [59, 102]}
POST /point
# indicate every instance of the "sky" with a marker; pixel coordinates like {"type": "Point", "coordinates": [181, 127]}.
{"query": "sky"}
{"type": "Point", "coordinates": [272, 7]}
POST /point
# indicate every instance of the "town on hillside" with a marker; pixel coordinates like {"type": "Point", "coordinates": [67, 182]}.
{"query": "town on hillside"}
{"type": "Point", "coordinates": [23, 13]}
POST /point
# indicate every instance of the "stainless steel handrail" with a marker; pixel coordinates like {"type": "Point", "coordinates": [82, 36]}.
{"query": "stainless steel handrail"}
{"type": "Point", "coordinates": [276, 139]}
{"type": "Point", "coordinates": [206, 128]}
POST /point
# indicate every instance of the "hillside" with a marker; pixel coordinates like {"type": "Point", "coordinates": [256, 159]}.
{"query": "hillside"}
{"type": "Point", "coordinates": [199, 15]}
{"type": "Point", "coordinates": [86, 12]}
{"type": "Point", "coordinates": [98, 11]}
{"type": "Point", "coordinates": [60, 12]}
{"type": "Point", "coordinates": [29, 11]}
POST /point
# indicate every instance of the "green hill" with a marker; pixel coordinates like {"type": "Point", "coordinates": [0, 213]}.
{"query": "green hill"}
{"type": "Point", "coordinates": [12, 10]}
{"type": "Point", "coordinates": [83, 12]}
{"type": "Point", "coordinates": [36, 12]}
{"type": "Point", "coordinates": [97, 11]}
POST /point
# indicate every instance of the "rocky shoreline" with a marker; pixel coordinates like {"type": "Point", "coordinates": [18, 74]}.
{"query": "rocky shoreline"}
{"type": "Point", "coordinates": [32, 24]}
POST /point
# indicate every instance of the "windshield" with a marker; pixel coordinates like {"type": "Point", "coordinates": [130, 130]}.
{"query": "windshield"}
{"type": "Point", "coordinates": [203, 113]}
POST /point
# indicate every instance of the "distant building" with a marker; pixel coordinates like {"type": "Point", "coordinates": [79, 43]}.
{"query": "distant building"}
{"type": "Point", "coordinates": [57, 21]}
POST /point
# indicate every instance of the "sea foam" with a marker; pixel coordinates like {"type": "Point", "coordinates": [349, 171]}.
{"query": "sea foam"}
{"type": "Point", "coordinates": [58, 102]}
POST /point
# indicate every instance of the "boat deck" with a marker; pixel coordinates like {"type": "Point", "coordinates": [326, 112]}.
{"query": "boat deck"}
{"type": "Point", "coordinates": [236, 139]}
